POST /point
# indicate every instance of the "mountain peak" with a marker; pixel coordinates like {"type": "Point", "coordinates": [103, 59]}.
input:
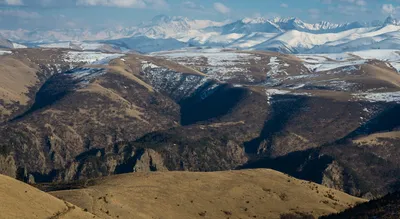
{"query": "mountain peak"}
{"type": "Point", "coordinates": [257, 20]}
{"type": "Point", "coordinates": [286, 20]}
{"type": "Point", "coordinates": [167, 19]}
{"type": "Point", "coordinates": [390, 20]}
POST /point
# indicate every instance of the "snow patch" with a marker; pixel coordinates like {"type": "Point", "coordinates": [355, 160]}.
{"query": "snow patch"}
{"type": "Point", "coordinates": [380, 97]}
{"type": "Point", "coordinates": [271, 92]}
{"type": "Point", "coordinates": [85, 75]}
{"type": "Point", "coordinates": [90, 57]}
{"type": "Point", "coordinates": [275, 67]}
{"type": "Point", "coordinates": [5, 52]}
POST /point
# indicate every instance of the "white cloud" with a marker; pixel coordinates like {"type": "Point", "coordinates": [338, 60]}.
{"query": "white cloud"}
{"type": "Point", "coordinates": [389, 9]}
{"type": "Point", "coordinates": [160, 4]}
{"type": "Point", "coordinates": [13, 2]}
{"type": "Point", "coordinates": [221, 8]}
{"type": "Point", "coordinates": [115, 3]}
{"type": "Point", "coordinates": [124, 3]}
{"type": "Point", "coordinates": [361, 3]}
{"type": "Point", "coordinates": [284, 5]}
{"type": "Point", "coordinates": [19, 14]}
{"type": "Point", "coordinates": [192, 5]}
{"type": "Point", "coordinates": [355, 2]}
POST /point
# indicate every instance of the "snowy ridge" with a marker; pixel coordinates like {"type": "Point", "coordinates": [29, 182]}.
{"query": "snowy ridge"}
{"type": "Point", "coordinates": [90, 57]}
{"type": "Point", "coordinates": [218, 65]}
{"type": "Point", "coordinates": [331, 61]}
{"type": "Point", "coordinates": [5, 52]}
{"type": "Point", "coordinates": [379, 97]}
{"type": "Point", "coordinates": [85, 75]}
{"type": "Point", "coordinates": [177, 85]}
{"type": "Point", "coordinates": [275, 67]}
{"type": "Point", "coordinates": [288, 35]}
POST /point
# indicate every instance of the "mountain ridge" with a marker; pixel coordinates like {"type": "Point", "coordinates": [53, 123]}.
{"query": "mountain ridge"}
{"type": "Point", "coordinates": [275, 34]}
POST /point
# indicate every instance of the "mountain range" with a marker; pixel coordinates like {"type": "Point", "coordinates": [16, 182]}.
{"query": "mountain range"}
{"type": "Point", "coordinates": [289, 35]}
{"type": "Point", "coordinates": [77, 120]}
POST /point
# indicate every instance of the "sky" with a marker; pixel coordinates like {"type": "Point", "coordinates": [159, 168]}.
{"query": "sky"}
{"type": "Point", "coordinates": [60, 14]}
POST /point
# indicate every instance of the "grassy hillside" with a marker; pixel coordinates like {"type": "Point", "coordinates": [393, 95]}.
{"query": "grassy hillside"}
{"type": "Point", "coordinates": [231, 194]}
{"type": "Point", "coordinates": [19, 200]}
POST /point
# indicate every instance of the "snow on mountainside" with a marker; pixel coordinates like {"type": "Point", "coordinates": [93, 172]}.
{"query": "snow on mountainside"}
{"type": "Point", "coordinates": [369, 76]}
{"type": "Point", "coordinates": [282, 35]}
{"type": "Point", "coordinates": [290, 35]}
{"type": "Point", "coordinates": [145, 44]}
{"type": "Point", "coordinates": [321, 27]}
{"type": "Point", "coordinates": [331, 61]}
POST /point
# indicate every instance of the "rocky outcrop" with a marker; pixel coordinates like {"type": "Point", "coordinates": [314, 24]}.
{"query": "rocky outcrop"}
{"type": "Point", "coordinates": [150, 161]}
{"type": "Point", "coordinates": [7, 166]}
{"type": "Point", "coordinates": [335, 177]}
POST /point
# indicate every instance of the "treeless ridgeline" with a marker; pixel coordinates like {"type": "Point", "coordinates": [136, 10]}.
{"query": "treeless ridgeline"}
{"type": "Point", "coordinates": [19, 200]}
{"type": "Point", "coordinates": [231, 194]}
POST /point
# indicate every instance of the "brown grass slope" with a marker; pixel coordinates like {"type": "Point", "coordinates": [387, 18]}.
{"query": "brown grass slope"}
{"type": "Point", "coordinates": [22, 73]}
{"type": "Point", "coordinates": [232, 194]}
{"type": "Point", "coordinates": [19, 200]}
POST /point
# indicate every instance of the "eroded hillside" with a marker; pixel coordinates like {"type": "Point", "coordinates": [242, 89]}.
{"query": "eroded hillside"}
{"type": "Point", "coordinates": [331, 121]}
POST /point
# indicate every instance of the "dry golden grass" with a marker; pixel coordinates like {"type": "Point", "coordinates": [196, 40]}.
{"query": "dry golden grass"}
{"type": "Point", "coordinates": [133, 63]}
{"type": "Point", "coordinates": [234, 194]}
{"type": "Point", "coordinates": [173, 66]}
{"type": "Point", "coordinates": [224, 124]}
{"type": "Point", "coordinates": [117, 66]}
{"type": "Point", "coordinates": [383, 74]}
{"type": "Point", "coordinates": [19, 200]}
{"type": "Point", "coordinates": [15, 79]}
{"type": "Point", "coordinates": [374, 138]}
{"type": "Point", "coordinates": [130, 109]}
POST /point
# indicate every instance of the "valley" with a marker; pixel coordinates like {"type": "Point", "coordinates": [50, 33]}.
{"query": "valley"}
{"type": "Point", "coordinates": [92, 121]}
{"type": "Point", "coordinates": [154, 109]}
{"type": "Point", "coordinates": [205, 110]}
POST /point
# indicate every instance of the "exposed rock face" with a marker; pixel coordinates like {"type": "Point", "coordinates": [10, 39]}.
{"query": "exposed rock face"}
{"type": "Point", "coordinates": [150, 161]}
{"type": "Point", "coordinates": [333, 176]}
{"type": "Point", "coordinates": [7, 166]}
{"type": "Point", "coordinates": [146, 114]}
{"type": "Point", "coordinates": [336, 177]}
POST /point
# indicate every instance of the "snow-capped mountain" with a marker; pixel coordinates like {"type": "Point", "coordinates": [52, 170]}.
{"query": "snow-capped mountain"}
{"type": "Point", "coordinates": [289, 35]}
{"type": "Point", "coordinates": [391, 21]}
{"type": "Point", "coordinates": [320, 27]}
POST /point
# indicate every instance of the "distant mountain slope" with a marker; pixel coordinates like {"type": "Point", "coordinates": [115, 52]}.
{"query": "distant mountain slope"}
{"type": "Point", "coordinates": [4, 43]}
{"type": "Point", "coordinates": [234, 194]}
{"type": "Point", "coordinates": [22, 201]}
{"type": "Point", "coordinates": [288, 35]}
{"type": "Point", "coordinates": [327, 118]}
{"type": "Point", "coordinates": [145, 44]}
{"type": "Point", "coordinates": [23, 72]}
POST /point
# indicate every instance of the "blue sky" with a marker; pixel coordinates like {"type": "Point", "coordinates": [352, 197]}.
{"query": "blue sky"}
{"type": "Point", "coordinates": [49, 14]}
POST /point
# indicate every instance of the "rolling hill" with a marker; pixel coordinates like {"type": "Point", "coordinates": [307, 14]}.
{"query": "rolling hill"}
{"type": "Point", "coordinates": [233, 194]}
{"type": "Point", "coordinates": [19, 200]}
